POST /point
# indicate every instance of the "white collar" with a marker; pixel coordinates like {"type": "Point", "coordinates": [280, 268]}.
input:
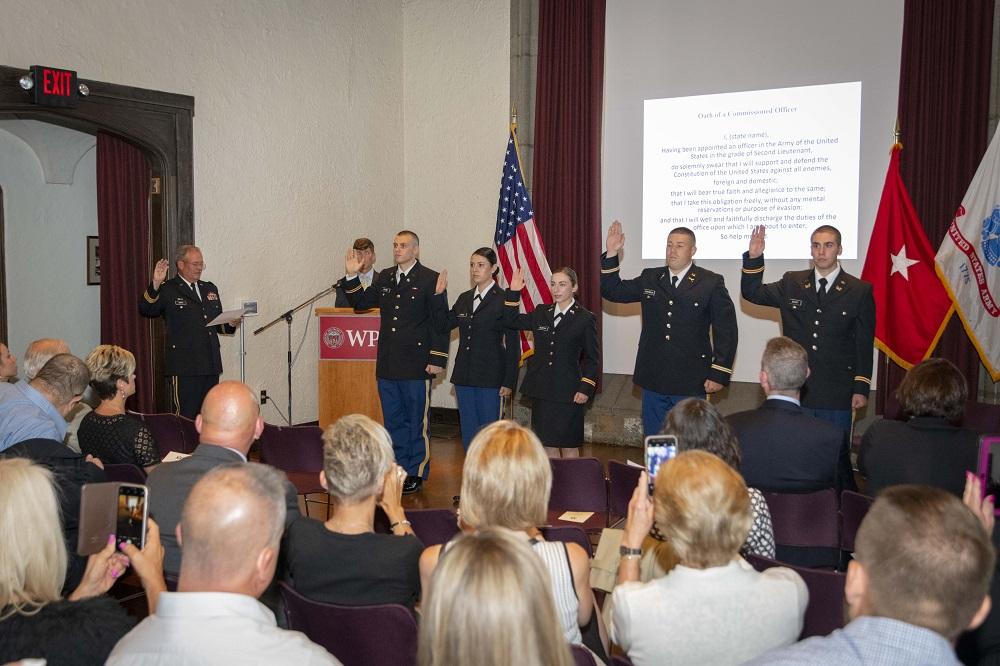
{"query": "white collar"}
{"type": "Point", "coordinates": [831, 277]}
{"type": "Point", "coordinates": [401, 272]}
{"type": "Point", "coordinates": [681, 273]}
{"type": "Point", "coordinates": [562, 312]}
{"type": "Point", "coordinates": [485, 290]}
{"type": "Point", "coordinates": [786, 398]}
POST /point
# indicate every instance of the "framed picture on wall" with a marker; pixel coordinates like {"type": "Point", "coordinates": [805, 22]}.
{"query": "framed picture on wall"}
{"type": "Point", "coordinates": [93, 261]}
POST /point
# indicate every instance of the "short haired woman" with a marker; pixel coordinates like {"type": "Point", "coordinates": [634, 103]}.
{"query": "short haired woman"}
{"type": "Point", "coordinates": [489, 604]}
{"type": "Point", "coordinates": [109, 432]}
{"type": "Point", "coordinates": [929, 448]}
{"type": "Point", "coordinates": [343, 561]}
{"type": "Point", "coordinates": [713, 607]}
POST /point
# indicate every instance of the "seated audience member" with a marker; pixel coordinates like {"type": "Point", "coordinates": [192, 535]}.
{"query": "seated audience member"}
{"type": "Point", "coordinates": [37, 408]}
{"type": "Point", "coordinates": [784, 449]}
{"type": "Point", "coordinates": [8, 364]}
{"type": "Point", "coordinates": [928, 448]}
{"type": "Point", "coordinates": [108, 432]}
{"type": "Point", "coordinates": [230, 531]}
{"type": "Point", "coordinates": [343, 561]}
{"type": "Point", "coordinates": [35, 622]}
{"type": "Point", "coordinates": [920, 577]}
{"type": "Point", "coordinates": [698, 425]}
{"type": "Point", "coordinates": [227, 426]}
{"type": "Point", "coordinates": [713, 607]}
{"type": "Point", "coordinates": [38, 354]}
{"type": "Point", "coordinates": [506, 481]}
{"type": "Point", "coordinates": [489, 604]}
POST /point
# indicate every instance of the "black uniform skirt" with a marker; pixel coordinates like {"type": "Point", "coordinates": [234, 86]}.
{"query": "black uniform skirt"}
{"type": "Point", "coordinates": [558, 424]}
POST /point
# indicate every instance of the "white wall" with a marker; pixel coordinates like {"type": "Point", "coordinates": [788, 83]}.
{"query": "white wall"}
{"type": "Point", "coordinates": [674, 48]}
{"type": "Point", "coordinates": [456, 92]}
{"type": "Point", "coordinates": [45, 230]}
{"type": "Point", "coordinates": [306, 128]}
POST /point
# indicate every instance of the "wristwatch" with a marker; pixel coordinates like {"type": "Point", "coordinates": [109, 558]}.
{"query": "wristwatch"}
{"type": "Point", "coordinates": [625, 551]}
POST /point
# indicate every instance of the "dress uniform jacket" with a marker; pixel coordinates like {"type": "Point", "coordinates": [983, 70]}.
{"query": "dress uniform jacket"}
{"type": "Point", "coordinates": [191, 347]}
{"type": "Point", "coordinates": [838, 334]}
{"type": "Point", "coordinates": [340, 300]}
{"type": "Point", "coordinates": [676, 354]}
{"type": "Point", "coordinates": [488, 352]}
{"type": "Point", "coordinates": [408, 340]}
{"type": "Point", "coordinates": [566, 357]}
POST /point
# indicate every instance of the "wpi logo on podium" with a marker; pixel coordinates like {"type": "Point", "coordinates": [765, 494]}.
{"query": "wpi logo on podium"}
{"type": "Point", "coordinates": [348, 337]}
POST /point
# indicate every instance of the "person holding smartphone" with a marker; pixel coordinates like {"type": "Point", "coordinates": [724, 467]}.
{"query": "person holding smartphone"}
{"type": "Point", "coordinates": [486, 365]}
{"type": "Point", "coordinates": [562, 373]}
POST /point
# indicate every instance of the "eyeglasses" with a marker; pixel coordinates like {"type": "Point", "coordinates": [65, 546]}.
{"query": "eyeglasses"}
{"type": "Point", "coordinates": [196, 264]}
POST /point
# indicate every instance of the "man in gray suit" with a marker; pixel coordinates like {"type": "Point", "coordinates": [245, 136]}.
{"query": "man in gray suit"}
{"type": "Point", "coordinates": [228, 424]}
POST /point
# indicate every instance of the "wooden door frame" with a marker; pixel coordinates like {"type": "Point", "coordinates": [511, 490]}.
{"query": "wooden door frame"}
{"type": "Point", "coordinates": [158, 123]}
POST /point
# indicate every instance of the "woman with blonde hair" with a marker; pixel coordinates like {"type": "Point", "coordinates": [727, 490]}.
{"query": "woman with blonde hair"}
{"type": "Point", "coordinates": [506, 481]}
{"type": "Point", "coordinates": [34, 621]}
{"type": "Point", "coordinates": [713, 607]}
{"type": "Point", "coordinates": [343, 561]}
{"type": "Point", "coordinates": [489, 604]}
{"type": "Point", "coordinates": [109, 432]}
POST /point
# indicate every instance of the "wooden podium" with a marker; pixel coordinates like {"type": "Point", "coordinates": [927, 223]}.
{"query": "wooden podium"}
{"type": "Point", "coordinates": [348, 344]}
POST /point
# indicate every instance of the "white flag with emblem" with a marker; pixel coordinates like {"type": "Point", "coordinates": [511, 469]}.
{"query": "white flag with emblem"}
{"type": "Point", "coordinates": [968, 260]}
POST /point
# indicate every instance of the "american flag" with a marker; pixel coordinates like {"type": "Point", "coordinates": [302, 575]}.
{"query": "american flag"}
{"type": "Point", "coordinates": [517, 241]}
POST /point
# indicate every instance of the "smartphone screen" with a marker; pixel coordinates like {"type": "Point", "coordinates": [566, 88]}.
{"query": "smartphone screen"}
{"type": "Point", "coordinates": [659, 449]}
{"type": "Point", "coordinates": [130, 525]}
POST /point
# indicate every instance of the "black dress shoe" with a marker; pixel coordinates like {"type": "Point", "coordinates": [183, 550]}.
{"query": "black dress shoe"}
{"type": "Point", "coordinates": [412, 485]}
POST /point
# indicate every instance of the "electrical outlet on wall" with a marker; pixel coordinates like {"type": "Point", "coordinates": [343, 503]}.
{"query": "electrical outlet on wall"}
{"type": "Point", "coordinates": [263, 396]}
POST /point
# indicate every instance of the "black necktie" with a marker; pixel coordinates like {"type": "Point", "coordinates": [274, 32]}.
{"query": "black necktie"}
{"type": "Point", "coordinates": [476, 301]}
{"type": "Point", "coordinates": [558, 318]}
{"type": "Point", "coordinates": [194, 288]}
{"type": "Point", "coordinates": [673, 281]}
{"type": "Point", "coordinates": [822, 289]}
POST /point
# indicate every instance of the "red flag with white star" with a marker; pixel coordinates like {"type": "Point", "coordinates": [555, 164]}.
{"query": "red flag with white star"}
{"type": "Point", "coordinates": [911, 305]}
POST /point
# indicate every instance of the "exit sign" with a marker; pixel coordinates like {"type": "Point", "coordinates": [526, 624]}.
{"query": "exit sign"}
{"type": "Point", "coordinates": [54, 87]}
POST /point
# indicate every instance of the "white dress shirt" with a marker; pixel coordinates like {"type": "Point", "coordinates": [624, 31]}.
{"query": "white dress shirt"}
{"type": "Point", "coordinates": [214, 628]}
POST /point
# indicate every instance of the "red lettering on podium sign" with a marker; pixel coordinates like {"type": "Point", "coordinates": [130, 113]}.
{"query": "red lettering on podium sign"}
{"type": "Point", "coordinates": [348, 337]}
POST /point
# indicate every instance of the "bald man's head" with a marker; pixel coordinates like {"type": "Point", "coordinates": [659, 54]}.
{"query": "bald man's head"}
{"type": "Point", "coordinates": [230, 417]}
{"type": "Point", "coordinates": [231, 528]}
{"type": "Point", "coordinates": [38, 354]}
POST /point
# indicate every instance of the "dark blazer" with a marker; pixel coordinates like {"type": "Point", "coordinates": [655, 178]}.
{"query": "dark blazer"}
{"type": "Point", "coordinates": [676, 353]}
{"type": "Point", "coordinates": [408, 340]}
{"type": "Point", "coordinates": [785, 450]}
{"type": "Point", "coordinates": [171, 483]}
{"type": "Point", "coordinates": [341, 300]}
{"type": "Point", "coordinates": [839, 337]}
{"type": "Point", "coordinates": [191, 348]}
{"type": "Point", "coordinates": [566, 357]}
{"type": "Point", "coordinates": [488, 352]}
{"type": "Point", "coordinates": [926, 450]}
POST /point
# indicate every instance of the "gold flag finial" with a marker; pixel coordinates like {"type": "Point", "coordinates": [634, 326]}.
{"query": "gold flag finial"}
{"type": "Point", "coordinates": [896, 135]}
{"type": "Point", "coordinates": [513, 117]}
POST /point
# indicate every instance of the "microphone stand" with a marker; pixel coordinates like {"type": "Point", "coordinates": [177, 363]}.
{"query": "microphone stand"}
{"type": "Point", "coordinates": [287, 316]}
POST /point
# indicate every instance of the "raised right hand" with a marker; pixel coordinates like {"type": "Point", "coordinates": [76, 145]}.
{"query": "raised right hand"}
{"type": "Point", "coordinates": [442, 282]}
{"type": "Point", "coordinates": [757, 242]}
{"type": "Point", "coordinates": [616, 238]}
{"type": "Point", "coordinates": [517, 280]}
{"type": "Point", "coordinates": [640, 514]}
{"type": "Point", "coordinates": [160, 272]}
{"type": "Point", "coordinates": [352, 262]}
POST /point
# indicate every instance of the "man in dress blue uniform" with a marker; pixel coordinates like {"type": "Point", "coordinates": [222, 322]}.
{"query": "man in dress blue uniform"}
{"type": "Point", "coordinates": [689, 335]}
{"type": "Point", "coordinates": [831, 314]}
{"type": "Point", "coordinates": [187, 303]}
{"type": "Point", "coordinates": [411, 349]}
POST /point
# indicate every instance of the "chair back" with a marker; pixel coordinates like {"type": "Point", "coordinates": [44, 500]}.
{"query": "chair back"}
{"type": "Point", "coordinates": [168, 432]}
{"type": "Point", "coordinates": [582, 656]}
{"type": "Point", "coordinates": [825, 611]}
{"type": "Point", "coordinates": [805, 519]}
{"type": "Point", "coordinates": [190, 433]}
{"type": "Point", "coordinates": [292, 448]}
{"type": "Point", "coordinates": [619, 660]}
{"type": "Point", "coordinates": [622, 480]}
{"type": "Point", "coordinates": [569, 534]}
{"type": "Point", "coordinates": [853, 507]}
{"type": "Point", "coordinates": [578, 484]}
{"type": "Point", "coordinates": [125, 473]}
{"type": "Point", "coordinates": [383, 634]}
{"type": "Point", "coordinates": [433, 526]}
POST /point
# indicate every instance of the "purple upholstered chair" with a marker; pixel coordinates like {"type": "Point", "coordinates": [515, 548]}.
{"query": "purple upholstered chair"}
{"type": "Point", "coordinates": [124, 473]}
{"type": "Point", "coordinates": [825, 611]}
{"type": "Point", "coordinates": [433, 526]}
{"type": "Point", "coordinates": [578, 484]}
{"type": "Point", "coordinates": [619, 660]}
{"type": "Point", "coordinates": [853, 507]}
{"type": "Point", "coordinates": [622, 480]}
{"type": "Point", "coordinates": [569, 534]}
{"type": "Point", "coordinates": [298, 452]}
{"type": "Point", "coordinates": [582, 656]}
{"type": "Point", "coordinates": [356, 635]}
{"type": "Point", "coordinates": [806, 527]}
{"type": "Point", "coordinates": [168, 432]}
